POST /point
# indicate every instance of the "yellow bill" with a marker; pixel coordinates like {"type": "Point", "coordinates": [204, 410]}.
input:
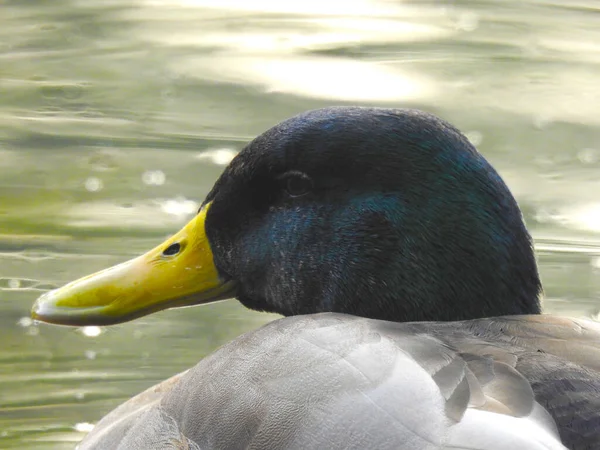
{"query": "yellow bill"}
{"type": "Point", "coordinates": [179, 272]}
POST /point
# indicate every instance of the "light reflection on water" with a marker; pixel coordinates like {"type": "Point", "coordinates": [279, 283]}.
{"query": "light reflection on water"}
{"type": "Point", "coordinates": [116, 118]}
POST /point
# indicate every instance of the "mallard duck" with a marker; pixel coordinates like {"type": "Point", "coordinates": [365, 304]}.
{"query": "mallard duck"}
{"type": "Point", "coordinates": [410, 289]}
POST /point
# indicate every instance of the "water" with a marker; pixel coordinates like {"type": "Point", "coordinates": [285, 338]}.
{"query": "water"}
{"type": "Point", "coordinates": [117, 117]}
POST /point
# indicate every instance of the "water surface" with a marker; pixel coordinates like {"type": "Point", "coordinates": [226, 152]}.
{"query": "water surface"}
{"type": "Point", "coordinates": [117, 117]}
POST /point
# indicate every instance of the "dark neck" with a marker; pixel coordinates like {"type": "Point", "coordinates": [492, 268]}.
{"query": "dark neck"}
{"type": "Point", "coordinates": [426, 265]}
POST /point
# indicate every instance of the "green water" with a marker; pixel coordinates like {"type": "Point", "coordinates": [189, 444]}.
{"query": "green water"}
{"type": "Point", "coordinates": [116, 118]}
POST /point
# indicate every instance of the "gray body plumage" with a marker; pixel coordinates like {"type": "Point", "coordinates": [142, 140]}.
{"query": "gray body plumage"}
{"type": "Point", "coordinates": [339, 381]}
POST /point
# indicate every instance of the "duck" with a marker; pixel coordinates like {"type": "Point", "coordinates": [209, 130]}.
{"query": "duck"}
{"type": "Point", "coordinates": [410, 296]}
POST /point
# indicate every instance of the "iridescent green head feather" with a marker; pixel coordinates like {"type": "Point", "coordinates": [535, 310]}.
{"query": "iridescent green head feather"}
{"type": "Point", "coordinates": [384, 213]}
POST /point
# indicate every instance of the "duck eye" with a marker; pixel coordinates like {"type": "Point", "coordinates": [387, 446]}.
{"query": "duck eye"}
{"type": "Point", "coordinates": [172, 249]}
{"type": "Point", "coordinates": [298, 184]}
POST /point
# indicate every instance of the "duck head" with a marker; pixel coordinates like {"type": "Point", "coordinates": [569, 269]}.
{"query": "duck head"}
{"type": "Point", "coordinates": [382, 213]}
